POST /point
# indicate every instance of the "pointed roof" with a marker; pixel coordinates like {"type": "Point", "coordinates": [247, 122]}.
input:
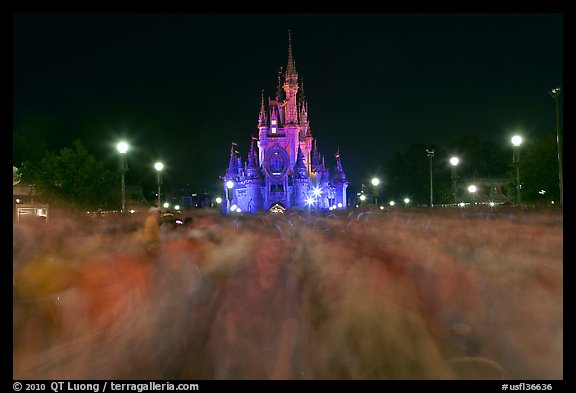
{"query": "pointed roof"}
{"type": "Point", "coordinates": [338, 162]}
{"type": "Point", "coordinates": [300, 159]}
{"type": "Point", "coordinates": [252, 160]}
{"type": "Point", "coordinates": [232, 166]}
{"type": "Point", "coordinates": [291, 69]}
{"type": "Point", "coordinates": [279, 88]}
{"type": "Point", "coordinates": [262, 115]}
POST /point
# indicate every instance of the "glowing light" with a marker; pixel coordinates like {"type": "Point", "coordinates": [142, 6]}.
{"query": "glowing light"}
{"type": "Point", "coordinates": [122, 147]}
{"type": "Point", "coordinates": [461, 204]}
{"type": "Point", "coordinates": [159, 166]}
{"type": "Point", "coordinates": [238, 210]}
{"type": "Point", "coordinates": [381, 207]}
{"type": "Point", "coordinates": [233, 207]}
{"type": "Point", "coordinates": [218, 200]}
{"type": "Point", "coordinates": [177, 207]}
{"type": "Point", "coordinates": [454, 161]}
{"type": "Point", "coordinates": [317, 192]}
{"type": "Point", "coordinates": [542, 192]}
{"type": "Point", "coordinates": [132, 211]}
{"type": "Point", "coordinates": [516, 140]}
{"type": "Point", "coordinates": [375, 181]}
{"type": "Point", "coordinates": [492, 204]}
{"type": "Point", "coordinates": [392, 203]}
{"type": "Point", "coordinates": [166, 205]}
{"type": "Point", "coordinates": [310, 201]}
{"type": "Point", "coordinates": [230, 184]}
{"type": "Point", "coordinates": [472, 188]}
{"type": "Point", "coordinates": [362, 197]}
{"type": "Point", "coordinates": [340, 205]}
{"type": "Point", "coordinates": [406, 200]}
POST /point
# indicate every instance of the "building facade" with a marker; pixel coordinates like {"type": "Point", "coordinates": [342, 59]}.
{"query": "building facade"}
{"type": "Point", "coordinates": [284, 171]}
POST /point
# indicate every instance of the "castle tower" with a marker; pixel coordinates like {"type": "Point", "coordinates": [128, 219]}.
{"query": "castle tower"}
{"type": "Point", "coordinates": [252, 182]}
{"type": "Point", "coordinates": [339, 182]}
{"type": "Point", "coordinates": [301, 182]}
{"type": "Point", "coordinates": [287, 167]}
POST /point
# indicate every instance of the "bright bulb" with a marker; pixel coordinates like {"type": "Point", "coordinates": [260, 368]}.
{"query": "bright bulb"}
{"type": "Point", "coordinates": [516, 140]}
{"type": "Point", "coordinates": [122, 147]}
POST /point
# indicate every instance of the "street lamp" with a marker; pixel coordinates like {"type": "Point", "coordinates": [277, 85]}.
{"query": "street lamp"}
{"type": "Point", "coordinates": [229, 187]}
{"type": "Point", "coordinates": [472, 190]}
{"type": "Point", "coordinates": [555, 93]}
{"type": "Point", "coordinates": [431, 155]}
{"type": "Point", "coordinates": [517, 141]}
{"type": "Point", "coordinates": [375, 182]}
{"type": "Point", "coordinates": [122, 148]}
{"type": "Point", "coordinates": [406, 202]}
{"type": "Point", "coordinates": [454, 161]}
{"type": "Point", "coordinates": [159, 166]}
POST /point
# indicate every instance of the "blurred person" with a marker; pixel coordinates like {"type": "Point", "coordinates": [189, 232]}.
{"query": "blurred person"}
{"type": "Point", "coordinates": [151, 235]}
{"type": "Point", "coordinates": [256, 332]}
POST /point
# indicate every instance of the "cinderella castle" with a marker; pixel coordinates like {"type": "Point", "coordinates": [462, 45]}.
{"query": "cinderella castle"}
{"type": "Point", "coordinates": [285, 170]}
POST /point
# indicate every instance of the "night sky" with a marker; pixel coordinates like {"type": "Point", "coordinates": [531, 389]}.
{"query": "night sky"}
{"type": "Point", "coordinates": [180, 87]}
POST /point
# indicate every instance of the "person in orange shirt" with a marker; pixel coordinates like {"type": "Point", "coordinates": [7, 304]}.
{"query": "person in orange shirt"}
{"type": "Point", "coordinates": [151, 233]}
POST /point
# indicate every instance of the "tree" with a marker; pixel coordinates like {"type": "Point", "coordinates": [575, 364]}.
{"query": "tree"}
{"type": "Point", "coordinates": [72, 176]}
{"type": "Point", "coordinates": [539, 169]}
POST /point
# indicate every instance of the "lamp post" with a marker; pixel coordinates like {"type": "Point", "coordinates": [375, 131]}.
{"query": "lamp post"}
{"type": "Point", "coordinates": [229, 187]}
{"type": "Point", "coordinates": [375, 183]}
{"type": "Point", "coordinates": [431, 155]}
{"type": "Point", "coordinates": [555, 93]}
{"type": "Point", "coordinates": [517, 141]}
{"type": "Point", "coordinates": [122, 148]}
{"type": "Point", "coordinates": [159, 166]}
{"type": "Point", "coordinates": [454, 161]}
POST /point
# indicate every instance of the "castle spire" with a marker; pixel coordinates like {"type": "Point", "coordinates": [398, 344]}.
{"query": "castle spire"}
{"type": "Point", "coordinates": [252, 161]}
{"type": "Point", "coordinates": [338, 162]}
{"type": "Point", "coordinates": [279, 89]}
{"type": "Point", "coordinates": [262, 116]}
{"type": "Point", "coordinates": [291, 70]}
{"type": "Point", "coordinates": [302, 97]}
{"type": "Point", "coordinates": [232, 171]}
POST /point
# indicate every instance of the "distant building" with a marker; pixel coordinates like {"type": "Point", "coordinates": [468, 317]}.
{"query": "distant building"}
{"type": "Point", "coordinates": [286, 171]}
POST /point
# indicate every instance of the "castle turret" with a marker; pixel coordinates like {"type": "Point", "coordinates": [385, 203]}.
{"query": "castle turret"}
{"type": "Point", "coordinates": [252, 199]}
{"type": "Point", "coordinates": [232, 171]}
{"type": "Point", "coordinates": [340, 183]}
{"type": "Point", "coordinates": [301, 181]}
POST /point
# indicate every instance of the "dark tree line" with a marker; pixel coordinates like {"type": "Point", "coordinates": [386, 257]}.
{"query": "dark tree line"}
{"type": "Point", "coordinates": [76, 177]}
{"type": "Point", "coordinates": [408, 173]}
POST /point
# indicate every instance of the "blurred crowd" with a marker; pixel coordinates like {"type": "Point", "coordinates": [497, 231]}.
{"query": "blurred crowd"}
{"type": "Point", "coordinates": [370, 295]}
